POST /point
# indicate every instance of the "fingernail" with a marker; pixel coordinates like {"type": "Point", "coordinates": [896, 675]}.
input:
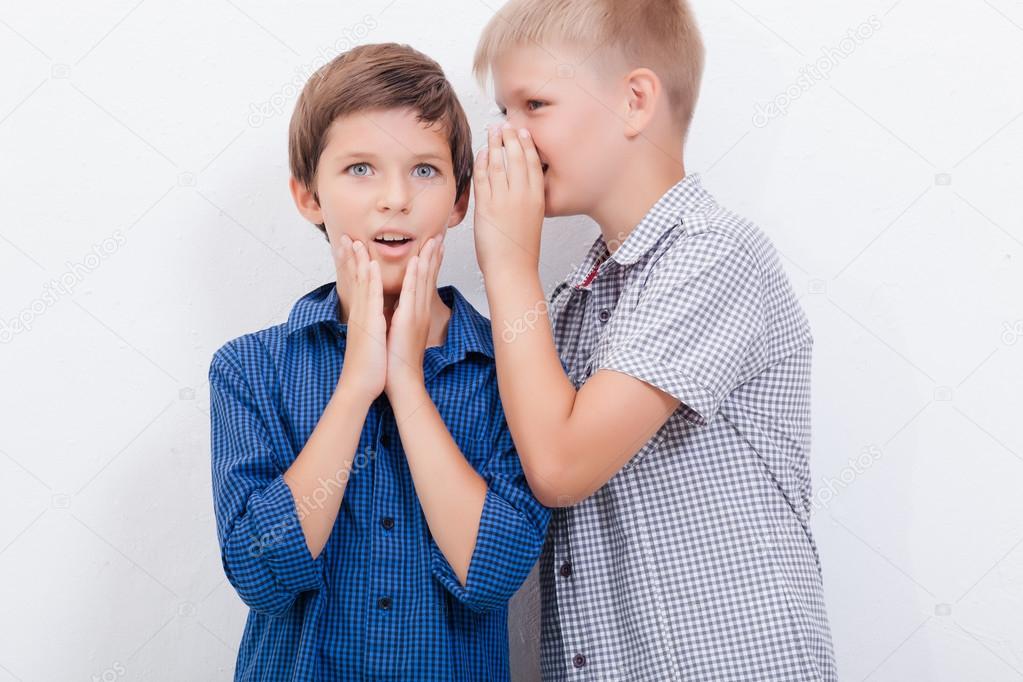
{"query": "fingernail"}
{"type": "Point", "coordinates": [523, 133]}
{"type": "Point", "coordinates": [506, 125]}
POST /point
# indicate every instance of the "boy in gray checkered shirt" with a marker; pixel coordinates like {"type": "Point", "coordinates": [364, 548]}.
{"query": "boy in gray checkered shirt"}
{"type": "Point", "coordinates": [676, 450]}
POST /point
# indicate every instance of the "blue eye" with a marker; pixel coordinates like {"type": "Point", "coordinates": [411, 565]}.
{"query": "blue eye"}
{"type": "Point", "coordinates": [430, 171]}
{"type": "Point", "coordinates": [359, 169]}
{"type": "Point", "coordinates": [530, 103]}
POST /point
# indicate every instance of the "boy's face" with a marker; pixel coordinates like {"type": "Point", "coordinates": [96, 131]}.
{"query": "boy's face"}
{"type": "Point", "coordinates": [384, 175]}
{"type": "Point", "coordinates": [573, 115]}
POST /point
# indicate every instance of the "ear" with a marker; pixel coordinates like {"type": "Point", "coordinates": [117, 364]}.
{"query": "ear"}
{"type": "Point", "coordinates": [460, 209]}
{"type": "Point", "coordinates": [643, 94]}
{"type": "Point", "coordinates": [306, 202]}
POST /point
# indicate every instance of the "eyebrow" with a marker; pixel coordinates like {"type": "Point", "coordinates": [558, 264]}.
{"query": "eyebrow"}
{"type": "Point", "coordinates": [426, 156]}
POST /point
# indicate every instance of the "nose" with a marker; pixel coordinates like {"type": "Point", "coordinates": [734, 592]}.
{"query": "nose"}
{"type": "Point", "coordinates": [395, 196]}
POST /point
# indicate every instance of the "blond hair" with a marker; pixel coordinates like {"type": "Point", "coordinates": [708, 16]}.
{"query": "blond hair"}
{"type": "Point", "coordinates": [661, 35]}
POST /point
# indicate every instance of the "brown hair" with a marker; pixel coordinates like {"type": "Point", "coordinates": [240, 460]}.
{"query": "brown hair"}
{"type": "Point", "coordinates": [661, 35]}
{"type": "Point", "coordinates": [368, 77]}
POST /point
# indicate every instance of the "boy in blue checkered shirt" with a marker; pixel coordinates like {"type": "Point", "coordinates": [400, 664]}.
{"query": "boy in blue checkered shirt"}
{"type": "Point", "coordinates": [371, 509]}
{"type": "Point", "coordinates": [664, 407]}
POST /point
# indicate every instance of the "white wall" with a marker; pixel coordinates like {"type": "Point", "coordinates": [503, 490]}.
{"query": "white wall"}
{"type": "Point", "coordinates": [136, 165]}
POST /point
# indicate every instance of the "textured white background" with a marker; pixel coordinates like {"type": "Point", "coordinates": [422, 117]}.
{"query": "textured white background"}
{"type": "Point", "coordinates": [143, 161]}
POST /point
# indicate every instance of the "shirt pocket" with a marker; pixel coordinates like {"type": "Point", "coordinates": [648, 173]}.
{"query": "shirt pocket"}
{"type": "Point", "coordinates": [471, 421]}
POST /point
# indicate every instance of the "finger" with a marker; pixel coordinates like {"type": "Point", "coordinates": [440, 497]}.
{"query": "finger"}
{"type": "Point", "coordinates": [480, 178]}
{"type": "Point", "coordinates": [362, 261]}
{"type": "Point", "coordinates": [341, 253]}
{"type": "Point", "coordinates": [344, 247]}
{"type": "Point", "coordinates": [407, 298]}
{"type": "Point", "coordinates": [495, 167]}
{"type": "Point", "coordinates": [435, 270]}
{"type": "Point", "coordinates": [376, 289]}
{"type": "Point", "coordinates": [422, 275]}
{"type": "Point", "coordinates": [400, 304]}
{"type": "Point", "coordinates": [517, 174]}
{"type": "Point", "coordinates": [534, 167]}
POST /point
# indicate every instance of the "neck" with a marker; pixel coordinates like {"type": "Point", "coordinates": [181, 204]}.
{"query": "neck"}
{"type": "Point", "coordinates": [627, 203]}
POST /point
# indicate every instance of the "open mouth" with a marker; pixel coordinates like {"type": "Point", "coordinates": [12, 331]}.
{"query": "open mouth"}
{"type": "Point", "coordinates": [545, 166]}
{"type": "Point", "coordinates": [393, 244]}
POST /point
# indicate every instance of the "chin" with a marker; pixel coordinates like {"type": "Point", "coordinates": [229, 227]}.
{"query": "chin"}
{"type": "Point", "coordinates": [392, 287]}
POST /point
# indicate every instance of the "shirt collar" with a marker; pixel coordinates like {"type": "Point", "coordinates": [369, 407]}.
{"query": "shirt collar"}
{"type": "Point", "coordinates": [319, 306]}
{"type": "Point", "coordinates": [468, 331]}
{"type": "Point", "coordinates": [684, 197]}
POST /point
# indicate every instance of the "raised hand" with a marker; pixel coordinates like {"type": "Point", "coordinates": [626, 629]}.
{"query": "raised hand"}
{"type": "Point", "coordinates": [410, 323]}
{"type": "Point", "coordinates": [509, 201]}
{"type": "Point", "coordinates": [362, 297]}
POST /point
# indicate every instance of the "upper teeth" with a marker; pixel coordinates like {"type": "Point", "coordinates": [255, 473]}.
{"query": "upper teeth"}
{"type": "Point", "coordinates": [391, 237]}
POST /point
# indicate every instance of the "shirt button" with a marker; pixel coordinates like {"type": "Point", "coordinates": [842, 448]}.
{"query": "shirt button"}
{"type": "Point", "coordinates": [604, 315]}
{"type": "Point", "coordinates": [578, 660]}
{"type": "Point", "coordinates": [565, 570]}
{"type": "Point", "coordinates": [385, 440]}
{"type": "Point", "coordinates": [387, 522]}
{"type": "Point", "coordinates": [384, 603]}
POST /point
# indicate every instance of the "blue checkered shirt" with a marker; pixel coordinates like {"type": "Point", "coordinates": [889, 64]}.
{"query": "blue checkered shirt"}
{"type": "Point", "coordinates": [695, 561]}
{"type": "Point", "coordinates": [380, 601]}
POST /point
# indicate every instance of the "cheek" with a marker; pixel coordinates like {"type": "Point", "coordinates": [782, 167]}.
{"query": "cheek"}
{"type": "Point", "coordinates": [565, 147]}
{"type": "Point", "coordinates": [434, 205]}
{"type": "Point", "coordinates": [345, 209]}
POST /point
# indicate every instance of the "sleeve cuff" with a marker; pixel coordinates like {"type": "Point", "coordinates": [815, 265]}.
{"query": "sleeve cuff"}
{"type": "Point", "coordinates": [279, 540]}
{"type": "Point", "coordinates": [699, 403]}
{"type": "Point", "coordinates": [507, 547]}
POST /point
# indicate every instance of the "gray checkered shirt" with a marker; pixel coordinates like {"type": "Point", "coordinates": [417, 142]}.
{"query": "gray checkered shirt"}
{"type": "Point", "coordinates": [696, 561]}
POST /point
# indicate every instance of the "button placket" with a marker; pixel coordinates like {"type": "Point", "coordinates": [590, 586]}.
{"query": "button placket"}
{"type": "Point", "coordinates": [383, 589]}
{"type": "Point", "coordinates": [574, 639]}
{"type": "Point", "coordinates": [602, 305]}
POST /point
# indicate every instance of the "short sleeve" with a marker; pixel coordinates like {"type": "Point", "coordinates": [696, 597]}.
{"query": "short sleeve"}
{"type": "Point", "coordinates": [695, 327]}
